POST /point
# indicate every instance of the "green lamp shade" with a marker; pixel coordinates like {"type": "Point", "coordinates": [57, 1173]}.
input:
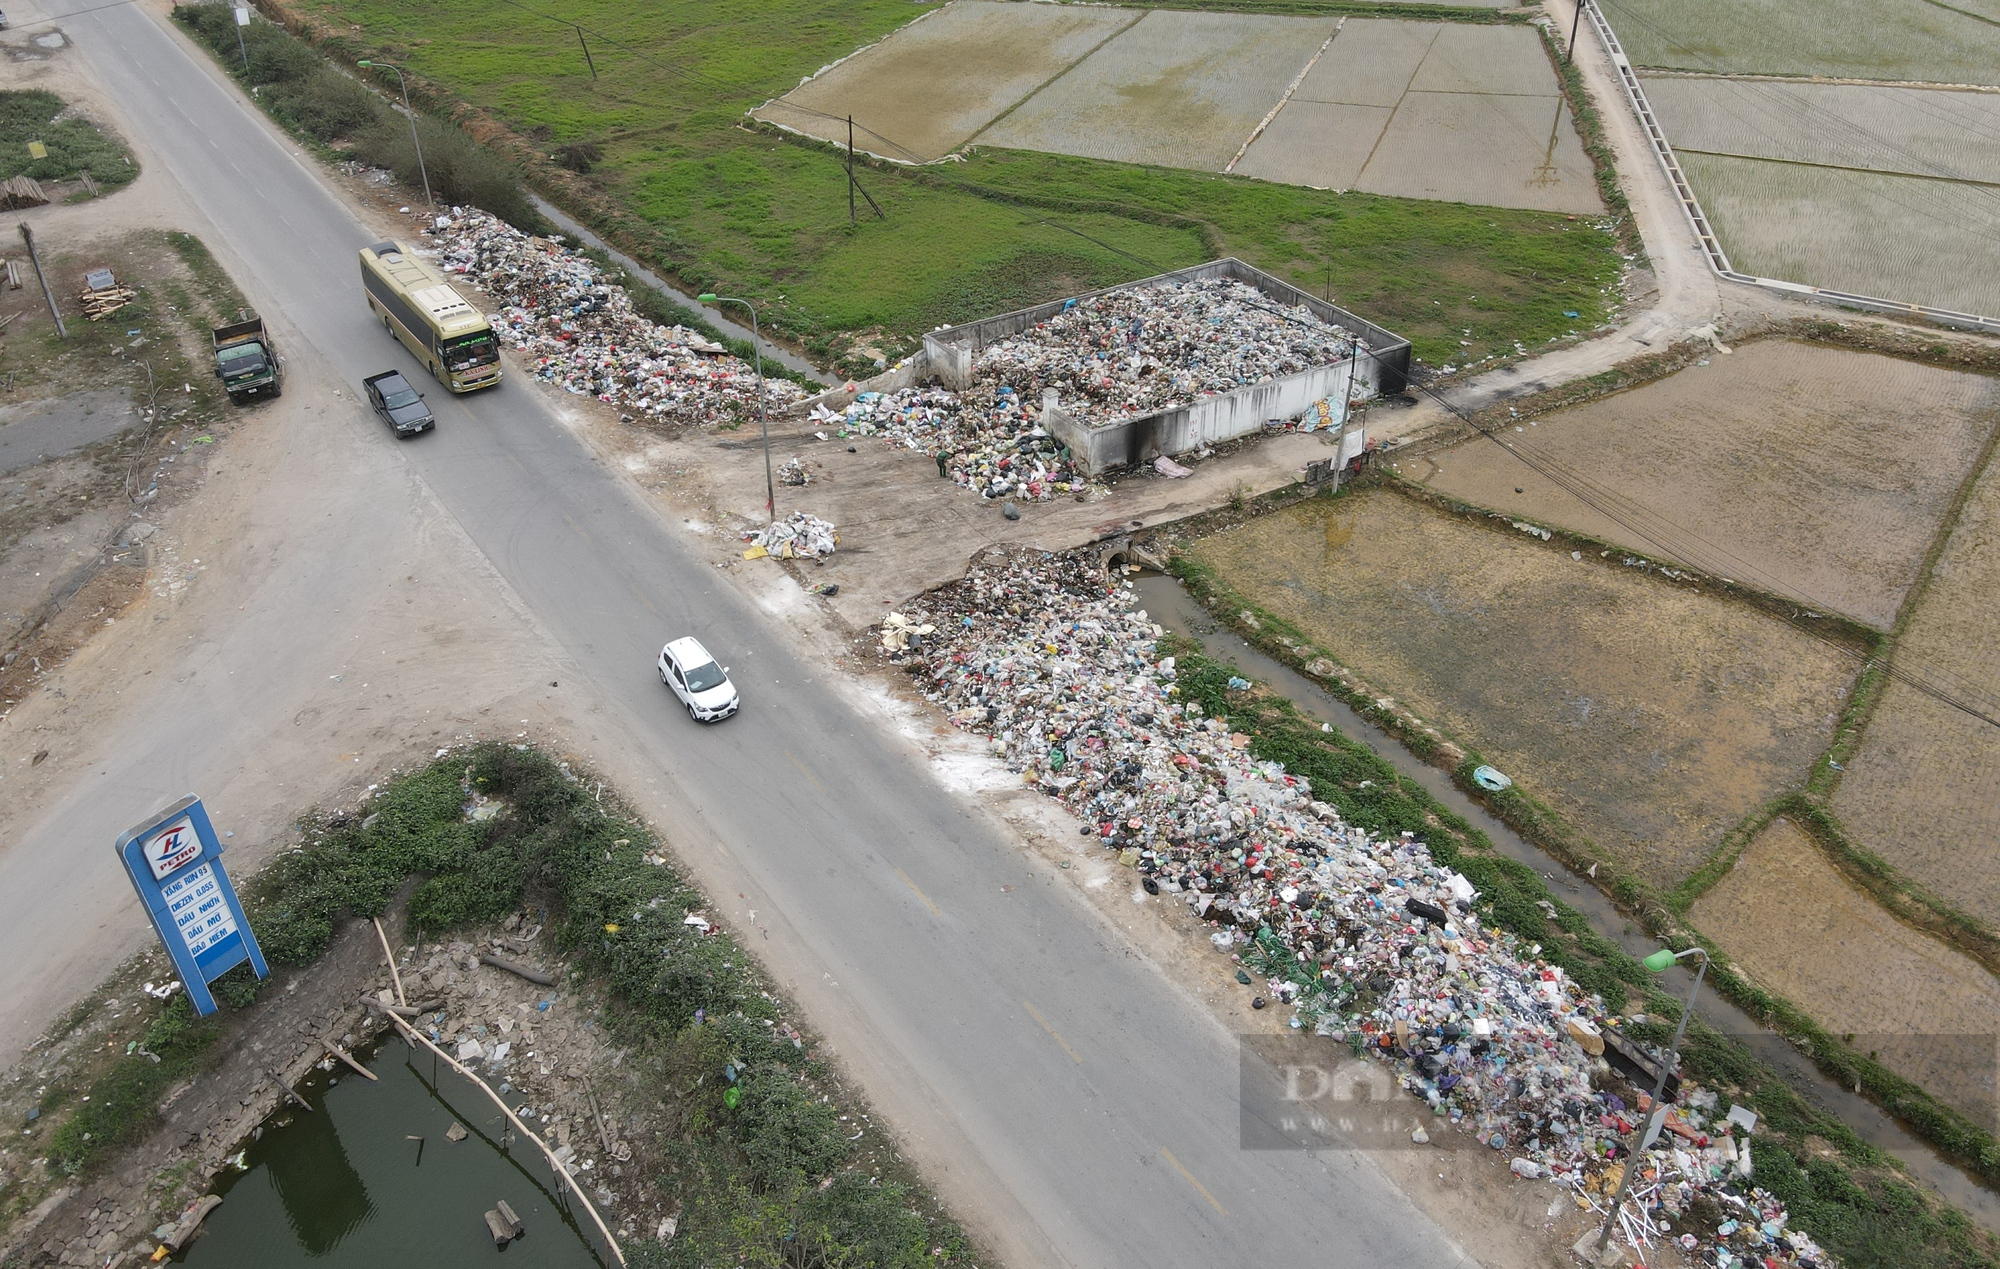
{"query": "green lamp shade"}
{"type": "Point", "coordinates": [706, 297]}
{"type": "Point", "coordinates": [1661, 961]}
{"type": "Point", "coordinates": [364, 62]}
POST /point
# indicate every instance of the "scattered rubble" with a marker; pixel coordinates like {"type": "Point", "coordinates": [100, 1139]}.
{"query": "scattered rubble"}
{"type": "Point", "coordinates": [990, 440]}
{"type": "Point", "coordinates": [797, 536]}
{"type": "Point", "coordinates": [1365, 939]}
{"type": "Point", "coordinates": [581, 333]}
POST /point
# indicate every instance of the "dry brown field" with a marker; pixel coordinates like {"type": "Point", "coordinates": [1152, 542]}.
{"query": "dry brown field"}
{"type": "Point", "coordinates": [1818, 473]}
{"type": "Point", "coordinates": [1923, 791]}
{"type": "Point", "coordinates": [1653, 717]}
{"type": "Point", "coordinates": [1786, 916]}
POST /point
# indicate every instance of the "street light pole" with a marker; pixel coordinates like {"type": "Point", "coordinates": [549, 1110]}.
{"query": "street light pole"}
{"type": "Point", "coordinates": [1659, 962]}
{"type": "Point", "coordinates": [412, 115]}
{"type": "Point", "coordinates": [763, 399]}
{"type": "Point", "coordinates": [1574, 23]}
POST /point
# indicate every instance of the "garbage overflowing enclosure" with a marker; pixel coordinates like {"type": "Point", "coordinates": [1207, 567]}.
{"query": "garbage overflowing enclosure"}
{"type": "Point", "coordinates": [580, 332]}
{"type": "Point", "coordinates": [1362, 938]}
{"type": "Point", "coordinates": [1109, 357]}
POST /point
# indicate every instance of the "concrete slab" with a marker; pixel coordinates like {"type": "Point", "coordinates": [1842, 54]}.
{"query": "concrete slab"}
{"type": "Point", "coordinates": [923, 91]}
{"type": "Point", "coordinates": [1317, 143]}
{"type": "Point", "coordinates": [1178, 89]}
{"type": "Point", "coordinates": [1487, 59]}
{"type": "Point", "coordinates": [1501, 151]}
{"type": "Point", "coordinates": [38, 430]}
{"type": "Point", "coordinates": [1370, 63]}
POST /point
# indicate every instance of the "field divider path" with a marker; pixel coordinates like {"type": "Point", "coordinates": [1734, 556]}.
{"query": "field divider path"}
{"type": "Point", "coordinates": [1036, 91]}
{"type": "Point", "coordinates": [1290, 88]}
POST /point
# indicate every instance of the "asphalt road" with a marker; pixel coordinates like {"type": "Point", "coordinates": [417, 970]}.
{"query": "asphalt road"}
{"type": "Point", "coordinates": [1117, 1143]}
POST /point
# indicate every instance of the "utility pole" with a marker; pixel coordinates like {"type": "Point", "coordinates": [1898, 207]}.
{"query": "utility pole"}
{"type": "Point", "coordinates": [48, 292]}
{"type": "Point", "coordinates": [763, 399]}
{"type": "Point", "coordinates": [242, 20]}
{"type": "Point", "coordinates": [588, 60]}
{"type": "Point", "coordinates": [850, 171]}
{"type": "Point", "coordinates": [1575, 22]}
{"type": "Point", "coordinates": [421, 169]}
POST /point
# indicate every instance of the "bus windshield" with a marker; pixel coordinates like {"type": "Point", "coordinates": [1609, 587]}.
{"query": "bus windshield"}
{"type": "Point", "coordinates": [468, 351]}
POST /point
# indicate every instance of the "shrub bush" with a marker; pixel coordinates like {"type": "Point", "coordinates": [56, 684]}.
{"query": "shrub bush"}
{"type": "Point", "coordinates": [327, 106]}
{"type": "Point", "coordinates": [459, 169]}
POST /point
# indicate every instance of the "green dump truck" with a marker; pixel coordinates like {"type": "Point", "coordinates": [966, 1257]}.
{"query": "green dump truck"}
{"type": "Point", "coordinates": [246, 361]}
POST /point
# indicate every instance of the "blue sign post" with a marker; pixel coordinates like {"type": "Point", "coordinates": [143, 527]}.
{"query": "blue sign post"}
{"type": "Point", "coordinates": [175, 863]}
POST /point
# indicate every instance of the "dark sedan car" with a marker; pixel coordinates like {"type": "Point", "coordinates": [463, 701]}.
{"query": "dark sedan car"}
{"type": "Point", "coordinates": [400, 405]}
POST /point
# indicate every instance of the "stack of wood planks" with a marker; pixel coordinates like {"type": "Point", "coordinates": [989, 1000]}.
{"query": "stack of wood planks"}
{"type": "Point", "coordinates": [21, 191]}
{"type": "Point", "coordinates": [106, 298]}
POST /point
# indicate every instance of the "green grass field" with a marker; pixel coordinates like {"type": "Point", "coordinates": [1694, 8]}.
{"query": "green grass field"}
{"type": "Point", "coordinates": [74, 145]}
{"type": "Point", "coordinates": [754, 214]}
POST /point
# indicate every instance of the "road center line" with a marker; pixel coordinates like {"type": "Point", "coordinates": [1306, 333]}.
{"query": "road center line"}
{"type": "Point", "coordinates": [817, 785]}
{"type": "Point", "coordinates": [1168, 1155]}
{"type": "Point", "coordinates": [1076, 1057]}
{"type": "Point", "coordinates": [935, 911]}
{"type": "Point", "coordinates": [574, 525]}
{"type": "Point", "coordinates": [641, 597]}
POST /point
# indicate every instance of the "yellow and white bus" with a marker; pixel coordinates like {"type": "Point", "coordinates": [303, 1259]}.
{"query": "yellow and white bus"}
{"type": "Point", "coordinates": [451, 338]}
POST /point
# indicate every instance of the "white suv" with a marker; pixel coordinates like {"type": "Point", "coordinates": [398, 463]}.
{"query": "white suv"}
{"type": "Point", "coordinates": [702, 684]}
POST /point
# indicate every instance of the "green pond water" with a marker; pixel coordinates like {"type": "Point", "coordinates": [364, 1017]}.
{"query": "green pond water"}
{"type": "Point", "coordinates": [344, 1185]}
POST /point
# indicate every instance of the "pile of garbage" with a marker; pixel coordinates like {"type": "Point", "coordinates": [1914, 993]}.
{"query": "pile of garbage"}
{"type": "Point", "coordinates": [797, 536]}
{"type": "Point", "coordinates": [991, 440]}
{"type": "Point", "coordinates": [1140, 350]}
{"type": "Point", "coordinates": [1361, 937]}
{"type": "Point", "coordinates": [580, 332]}
{"type": "Point", "coordinates": [1130, 352]}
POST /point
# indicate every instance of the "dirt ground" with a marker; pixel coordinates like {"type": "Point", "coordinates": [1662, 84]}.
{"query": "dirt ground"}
{"type": "Point", "coordinates": [1786, 916]}
{"type": "Point", "coordinates": [1653, 717]}
{"type": "Point", "coordinates": [1923, 791]}
{"type": "Point", "coordinates": [1814, 472]}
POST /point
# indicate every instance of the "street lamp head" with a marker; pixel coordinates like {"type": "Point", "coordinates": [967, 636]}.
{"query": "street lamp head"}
{"type": "Point", "coordinates": [1661, 961]}
{"type": "Point", "coordinates": [364, 62]}
{"type": "Point", "coordinates": [707, 297]}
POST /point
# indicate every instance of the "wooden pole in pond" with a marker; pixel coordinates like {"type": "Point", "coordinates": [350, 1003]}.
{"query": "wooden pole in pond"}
{"type": "Point", "coordinates": [414, 1036]}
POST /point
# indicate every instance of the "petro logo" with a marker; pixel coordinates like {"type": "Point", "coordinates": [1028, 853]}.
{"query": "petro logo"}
{"type": "Point", "coordinates": [172, 847]}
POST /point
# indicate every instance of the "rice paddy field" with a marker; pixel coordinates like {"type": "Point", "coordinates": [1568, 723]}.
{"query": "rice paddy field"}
{"type": "Point", "coordinates": [1911, 40]}
{"type": "Point", "coordinates": [1923, 791]}
{"type": "Point", "coordinates": [1433, 110]}
{"type": "Point", "coordinates": [1942, 134]}
{"type": "Point", "coordinates": [1900, 238]}
{"type": "Point", "coordinates": [1652, 717]}
{"type": "Point", "coordinates": [728, 208]}
{"type": "Point", "coordinates": [1756, 454]}
{"type": "Point", "coordinates": [1932, 1014]}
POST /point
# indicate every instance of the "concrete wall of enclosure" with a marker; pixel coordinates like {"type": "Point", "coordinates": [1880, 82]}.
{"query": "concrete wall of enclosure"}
{"type": "Point", "coordinates": [1382, 367]}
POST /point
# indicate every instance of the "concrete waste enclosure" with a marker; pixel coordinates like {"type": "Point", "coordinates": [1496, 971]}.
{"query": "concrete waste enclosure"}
{"type": "Point", "coordinates": [1199, 356]}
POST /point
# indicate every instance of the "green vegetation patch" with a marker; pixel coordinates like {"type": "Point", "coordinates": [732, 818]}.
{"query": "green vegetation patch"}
{"type": "Point", "coordinates": [765, 1169]}
{"type": "Point", "coordinates": [75, 145]}
{"type": "Point", "coordinates": [323, 105]}
{"type": "Point", "coordinates": [731, 206]}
